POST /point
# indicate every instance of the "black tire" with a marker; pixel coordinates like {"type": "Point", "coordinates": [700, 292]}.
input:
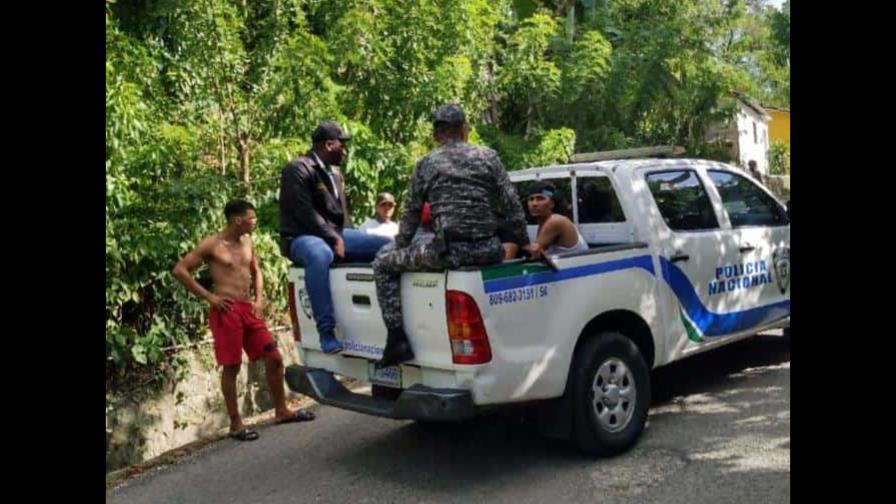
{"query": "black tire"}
{"type": "Point", "coordinates": [598, 437]}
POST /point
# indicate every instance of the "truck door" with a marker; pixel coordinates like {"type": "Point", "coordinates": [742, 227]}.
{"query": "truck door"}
{"type": "Point", "coordinates": [692, 245]}
{"type": "Point", "coordinates": [757, 281]}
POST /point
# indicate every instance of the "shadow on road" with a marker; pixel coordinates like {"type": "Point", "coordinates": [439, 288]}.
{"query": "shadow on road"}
{"type": "Point", "coordinates": [499, 446]}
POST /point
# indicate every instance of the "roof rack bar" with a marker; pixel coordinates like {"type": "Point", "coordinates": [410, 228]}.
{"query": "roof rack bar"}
{"type": "Point", "coordinates": [640, 152]}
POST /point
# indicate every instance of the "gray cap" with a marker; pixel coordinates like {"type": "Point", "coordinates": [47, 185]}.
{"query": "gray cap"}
{"type": "Point", "coordinates": [450, 115]}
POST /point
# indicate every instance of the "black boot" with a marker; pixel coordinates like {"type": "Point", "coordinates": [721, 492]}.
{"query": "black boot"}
{"type": "Point", "coordinates": [397, 350]}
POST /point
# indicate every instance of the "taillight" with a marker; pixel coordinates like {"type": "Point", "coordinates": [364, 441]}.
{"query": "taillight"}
{"type": "Point", "coordinates": [469, 341]}
{"type": "Point", "coordinates": [293, 315]}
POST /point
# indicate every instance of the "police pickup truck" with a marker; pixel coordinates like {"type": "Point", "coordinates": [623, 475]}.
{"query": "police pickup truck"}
{"type": "Point", "coordinates": [685, 256]}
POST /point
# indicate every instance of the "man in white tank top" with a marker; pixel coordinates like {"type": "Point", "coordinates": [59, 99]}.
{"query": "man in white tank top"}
{"type": "Point", "coordinates": [556, 233]}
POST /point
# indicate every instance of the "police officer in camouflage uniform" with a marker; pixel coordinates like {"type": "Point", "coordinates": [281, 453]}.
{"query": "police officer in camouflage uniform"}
{"type": "Point", "coordinates": [466, 186]}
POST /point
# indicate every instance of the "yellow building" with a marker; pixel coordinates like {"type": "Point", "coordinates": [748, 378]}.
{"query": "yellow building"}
{"type": "Point", "coordinates": [779, 126]}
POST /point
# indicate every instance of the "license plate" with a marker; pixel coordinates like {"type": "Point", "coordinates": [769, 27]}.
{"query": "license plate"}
{"type": "Point", "coordinates": [387, 376]}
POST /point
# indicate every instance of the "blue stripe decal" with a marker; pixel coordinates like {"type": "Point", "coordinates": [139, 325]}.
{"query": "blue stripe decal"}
{"type": "Point", "coordinates": [718, 324]}
{"type": "Point", "coordinates": [500, 284]}
{"type": "Point", "coordinates": [708, 322]}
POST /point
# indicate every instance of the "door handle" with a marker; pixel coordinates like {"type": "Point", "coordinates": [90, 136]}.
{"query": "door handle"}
{"type": "Point", "coordinates": [679, 257]}
{"type": "Point", "coordinates": [747, 248]}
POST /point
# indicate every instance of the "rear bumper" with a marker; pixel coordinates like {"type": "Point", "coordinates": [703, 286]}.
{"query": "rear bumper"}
{"type": "Point", "coordinates": [417, 402]}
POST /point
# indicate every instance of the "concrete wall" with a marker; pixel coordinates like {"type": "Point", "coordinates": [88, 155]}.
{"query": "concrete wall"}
{"type": "Point", "coordinates": [140, 429]}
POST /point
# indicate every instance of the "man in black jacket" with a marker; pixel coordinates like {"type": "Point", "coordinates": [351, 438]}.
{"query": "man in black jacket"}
{"type": "Point", "coordinates": [315, 223]}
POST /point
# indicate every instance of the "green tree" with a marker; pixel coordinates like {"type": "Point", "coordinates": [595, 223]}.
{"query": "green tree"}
{"type": "Point", "coordinates": [529, 79]}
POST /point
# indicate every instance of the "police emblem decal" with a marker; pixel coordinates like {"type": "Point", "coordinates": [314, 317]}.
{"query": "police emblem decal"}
{"type": "Point", "coordinates": [781, 262]}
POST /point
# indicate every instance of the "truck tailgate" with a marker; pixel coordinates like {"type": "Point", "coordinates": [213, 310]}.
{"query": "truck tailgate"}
{"type": "Point", "coordinates": [359, 319]}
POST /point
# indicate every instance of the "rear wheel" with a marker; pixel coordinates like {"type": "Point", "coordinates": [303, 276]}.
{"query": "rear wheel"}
{"type": "Point", "coordinates": [610, 394]}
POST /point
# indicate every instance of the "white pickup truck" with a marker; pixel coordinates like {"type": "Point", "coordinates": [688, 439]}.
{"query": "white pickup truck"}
{"type": "Point", "coordinates": [685, 256]}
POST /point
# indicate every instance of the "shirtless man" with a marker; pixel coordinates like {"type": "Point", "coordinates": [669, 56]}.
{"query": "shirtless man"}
{"type": "Point", "coordinates": [556, 233]}
{"type": "Point", "coordinates": [234, 317]}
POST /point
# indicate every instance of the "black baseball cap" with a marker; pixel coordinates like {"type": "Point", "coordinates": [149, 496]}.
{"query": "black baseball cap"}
{"type": "Point", "coordinates": [328, 130]}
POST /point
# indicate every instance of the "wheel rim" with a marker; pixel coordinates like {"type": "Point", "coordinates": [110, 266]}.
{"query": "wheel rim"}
{"type": "Point", "coordinates": [614, 395]}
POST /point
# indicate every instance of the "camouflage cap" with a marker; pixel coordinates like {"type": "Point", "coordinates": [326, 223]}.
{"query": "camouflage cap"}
{"type": "Point", "coordinates": [450, 115]}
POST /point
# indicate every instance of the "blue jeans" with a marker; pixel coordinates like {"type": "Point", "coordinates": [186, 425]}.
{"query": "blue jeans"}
{"type": "Point", "coordinates": [314, 253]}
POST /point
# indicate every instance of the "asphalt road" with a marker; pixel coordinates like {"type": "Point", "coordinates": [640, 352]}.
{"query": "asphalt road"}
{"type": "Point", "coordinates": [719, 431]}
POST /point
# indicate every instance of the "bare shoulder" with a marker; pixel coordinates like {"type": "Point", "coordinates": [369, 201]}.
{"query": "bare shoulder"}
{"type": "Point", "coordinates": [208, 244]}
{"type": "Point", "coordinates": [558, 221]}
{"type": "Point", "coordinates": [246, 240]}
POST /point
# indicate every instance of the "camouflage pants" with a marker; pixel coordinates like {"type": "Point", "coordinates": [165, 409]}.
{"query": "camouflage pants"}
{"type": "Point", "coordinates": [390, 263]}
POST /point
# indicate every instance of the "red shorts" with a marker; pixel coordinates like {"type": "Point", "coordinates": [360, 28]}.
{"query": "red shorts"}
{"type": "Point", "coordinates": [237, 329]}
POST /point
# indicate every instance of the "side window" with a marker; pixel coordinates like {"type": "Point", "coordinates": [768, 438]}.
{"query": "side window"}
{"type": "Point", "coordinates": [598, 201]}
{"type": "Point", "coordinates": [745, 203]}
{"type": "Point", "coordinates": [563, 196]}
{"type": "Point", "coordinates": [682, 200]}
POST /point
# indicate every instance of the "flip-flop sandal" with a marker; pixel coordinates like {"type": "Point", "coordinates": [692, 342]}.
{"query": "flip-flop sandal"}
{"type": "Point", "coordinates": [300, 416]}
{"type": "Point", "coordinates": [244, 435]}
